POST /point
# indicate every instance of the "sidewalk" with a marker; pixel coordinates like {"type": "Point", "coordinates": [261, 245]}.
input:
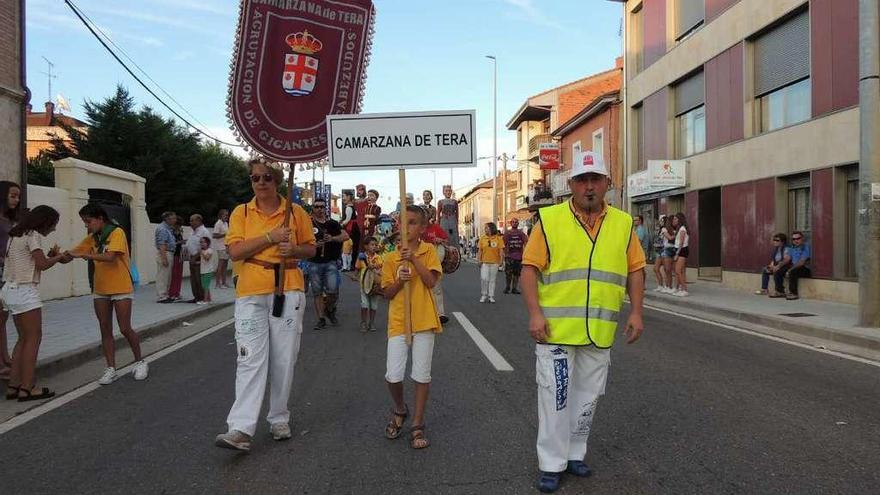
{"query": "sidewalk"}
{"type": "Point", "coordinates": [814, 322]}
{"type": "Point", "coordinates": [70, 327]}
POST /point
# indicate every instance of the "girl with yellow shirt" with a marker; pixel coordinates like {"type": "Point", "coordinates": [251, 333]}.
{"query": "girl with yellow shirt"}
{"type": "Point", "coordinates": [107, 246]}
{"type": "Point", "coordinates": [491, 246]}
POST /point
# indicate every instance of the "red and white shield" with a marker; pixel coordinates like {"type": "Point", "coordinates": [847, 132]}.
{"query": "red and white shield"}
{"type": "Point", "coordinates": [300, 74]}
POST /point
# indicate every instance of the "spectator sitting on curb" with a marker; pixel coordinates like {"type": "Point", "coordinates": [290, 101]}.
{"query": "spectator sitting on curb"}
{"type": "Point", "coordinates": [780, 262]}
{"type": "Point", "coordinates": [800, 258]}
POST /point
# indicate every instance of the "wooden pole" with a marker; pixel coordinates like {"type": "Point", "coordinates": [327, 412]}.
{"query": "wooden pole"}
{"type": "Point", "coordinates": [404, 241]}
{"type": "Point", "coordinates": [278, 303]}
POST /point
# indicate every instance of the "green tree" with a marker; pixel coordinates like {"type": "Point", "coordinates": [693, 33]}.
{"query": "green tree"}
{"type": "Point", "coordinates": [40, 171]}
{"type": "Point", "coordinates": [183, 174]}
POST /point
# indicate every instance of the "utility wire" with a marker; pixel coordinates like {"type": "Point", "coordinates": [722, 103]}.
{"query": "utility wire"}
{"type": "Point", "coordinates": [128, 57]}
{"type": "Point", "coordinates": [88, 26]}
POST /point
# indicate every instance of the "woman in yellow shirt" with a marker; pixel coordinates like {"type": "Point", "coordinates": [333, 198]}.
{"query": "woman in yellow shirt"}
{"type": "Point", "coordinates": [491, 246]}
{"type": "Point", "coordinates": [266, 346]}
{"type": "Point", "coordinates": [107, 246]}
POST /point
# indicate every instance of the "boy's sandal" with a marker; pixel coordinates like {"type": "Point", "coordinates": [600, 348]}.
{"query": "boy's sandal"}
{"type": "Point", "coordinates": [12, 392]}
{"type": "Point", "coordinates": [395, 424]}
{"type": "Point", "coordinates": [417, 437]}
{"type": "Point", "coordinates": [44, 393]}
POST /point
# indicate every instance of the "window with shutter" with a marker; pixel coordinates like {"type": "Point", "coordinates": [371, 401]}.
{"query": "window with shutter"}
{"type": "Point", "coordinates": [689, 15]}
{"type": "Point", "coordinates": [690, 93]}
{"type": "Point", "coordinates": [782, 54]}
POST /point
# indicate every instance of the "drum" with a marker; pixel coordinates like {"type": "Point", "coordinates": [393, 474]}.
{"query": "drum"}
{"type": "Point", "coordinates": [370, 283]}
{"type": "Point", "coordinates": [451, 260]}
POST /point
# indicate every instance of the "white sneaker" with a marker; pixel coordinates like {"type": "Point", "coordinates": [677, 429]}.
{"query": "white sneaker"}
{"type": "Point", "coordinates": [280, 431]}
{"type": "Point", "coordinates": [202, 303]}
{"type": "Point", "coordinates": [108, 377]}
{"type": "Point", "coordinates": [483, 299]}
{"type": "Point", "coordinates": [233, 439]}
{"type": "Point", "coordinates": [141, 370]}
{"type": "Point", "coordinates": [681, 293]}
{"type": "Point", "coordinates": [492, 300]}
{"type": "Point", "coordinates": [659, 288]}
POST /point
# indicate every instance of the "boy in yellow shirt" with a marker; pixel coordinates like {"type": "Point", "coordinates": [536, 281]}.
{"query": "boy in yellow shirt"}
{"type": "Point", "coordinates": [346, 254]}
{"type": "Point", "coordinates": [416, 268]}
{"type": "Point", "coordinates": [491, 245]}
{"type": "Point", "coordinates": [370, 275]}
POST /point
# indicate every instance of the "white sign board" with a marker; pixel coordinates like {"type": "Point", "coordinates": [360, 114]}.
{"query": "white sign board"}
{"type": "Point", "coordinates": [388, 141]}
{"type": "Point", "coordinates": [667, 174]}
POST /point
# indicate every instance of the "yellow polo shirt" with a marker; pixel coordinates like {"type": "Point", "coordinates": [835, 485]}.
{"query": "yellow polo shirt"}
{"type": "Point", "coordinates": [424, 312]}
{"type": "Point", "coordinates": [111, 277]}
{"type": "Point", "coordinates": [491, 247]}
{"type": "Point", "coordinates": [537, 255]}
{"type": "Point", "coordinates": [254, 279]}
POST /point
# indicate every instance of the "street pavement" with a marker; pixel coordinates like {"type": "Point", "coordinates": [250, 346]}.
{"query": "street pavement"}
{"type": "Point", "coordinates": [691, 408]}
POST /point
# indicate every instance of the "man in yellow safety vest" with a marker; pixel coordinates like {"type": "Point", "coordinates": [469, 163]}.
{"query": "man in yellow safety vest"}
{"type": "Point", "coordinates": [582, 258]}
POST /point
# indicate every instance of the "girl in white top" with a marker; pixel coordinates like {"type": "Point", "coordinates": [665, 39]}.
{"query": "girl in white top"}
{"type": "Point", "coordinates": [207, 268]}
{"type": "Point", "coordinates": [20, 296]}
{"type": "Point", "coordinates": [218, 244]}
{"type": "Point", "coordinates": [679, 223]}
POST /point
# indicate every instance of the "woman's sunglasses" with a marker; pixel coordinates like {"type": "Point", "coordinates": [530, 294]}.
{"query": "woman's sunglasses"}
{"type": "Point", "coordinates": [266, 178]}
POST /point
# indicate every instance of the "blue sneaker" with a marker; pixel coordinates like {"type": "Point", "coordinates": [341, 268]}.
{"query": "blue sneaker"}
{"type": "Point", "coordinates": [548, 482]}
{"type": "Point", "coordinates": [578, 468]}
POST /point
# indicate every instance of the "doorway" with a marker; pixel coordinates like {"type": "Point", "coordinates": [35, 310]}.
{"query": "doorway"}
{"type": "Point", "coordinates": [709, 225]}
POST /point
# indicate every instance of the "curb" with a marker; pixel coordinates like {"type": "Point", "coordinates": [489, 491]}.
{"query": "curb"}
{"type": "Point", "coordinates": [836, 335]}
{"type": "Point", "coordinates": [70, 359]}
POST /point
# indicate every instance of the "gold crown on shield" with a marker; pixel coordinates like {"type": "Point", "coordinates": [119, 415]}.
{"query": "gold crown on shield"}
{"type": "Point", "coordinates": [304, 43]}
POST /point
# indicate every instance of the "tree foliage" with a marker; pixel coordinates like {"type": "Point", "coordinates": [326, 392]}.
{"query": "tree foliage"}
{"type": "Point", "coordinates": [40, 171]}
{"type": "Point", "coordinates": [183, 174]}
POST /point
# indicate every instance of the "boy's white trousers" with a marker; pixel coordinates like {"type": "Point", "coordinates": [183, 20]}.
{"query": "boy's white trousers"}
{"type": "Point", "coordinates": [267, 348]}
{"type": "Point", "coordinates": [570, 381]}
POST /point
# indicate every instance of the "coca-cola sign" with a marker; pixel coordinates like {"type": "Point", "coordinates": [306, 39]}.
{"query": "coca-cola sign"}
{"type": "Point", "coordinates": [297, 61]}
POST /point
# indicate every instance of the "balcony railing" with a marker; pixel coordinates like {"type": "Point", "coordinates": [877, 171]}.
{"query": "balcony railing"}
{"type": "Point", "coordinates": [535, 145]}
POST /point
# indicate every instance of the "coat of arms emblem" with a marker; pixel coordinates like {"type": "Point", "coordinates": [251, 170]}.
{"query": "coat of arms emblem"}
{"type": "Point", "coordinates": [281, 42]}
{"type": "Point", "coordinates": [301, 66]}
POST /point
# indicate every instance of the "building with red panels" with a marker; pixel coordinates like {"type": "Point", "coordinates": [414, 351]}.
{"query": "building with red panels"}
{"type": "Point", "coordinates": [751, 109]}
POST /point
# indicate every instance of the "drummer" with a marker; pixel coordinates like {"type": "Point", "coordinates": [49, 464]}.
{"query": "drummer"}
{"type": "Point", "coordinates": [434, 234]}
{"type": "Point", "coordinates": [370, 274]}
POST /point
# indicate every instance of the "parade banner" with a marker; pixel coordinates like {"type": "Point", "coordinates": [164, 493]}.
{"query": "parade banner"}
{"type": "Point", "coordinates": [295, 63]}
{"type": "Point", "coordinates": [388, 141]}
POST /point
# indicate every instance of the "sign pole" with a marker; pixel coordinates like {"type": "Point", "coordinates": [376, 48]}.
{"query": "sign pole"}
{"type": "Point", "coordinates": [278, 302]}
{"type": "Point", "coordinates": [404, 241]}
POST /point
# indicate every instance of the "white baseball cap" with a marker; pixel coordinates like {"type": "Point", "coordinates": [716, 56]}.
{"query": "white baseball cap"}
{"type": "Point", "coordinates": [587, 162]}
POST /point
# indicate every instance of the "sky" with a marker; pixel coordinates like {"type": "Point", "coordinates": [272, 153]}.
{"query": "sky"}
{"type": "Point", "coordinates": [427, 55]}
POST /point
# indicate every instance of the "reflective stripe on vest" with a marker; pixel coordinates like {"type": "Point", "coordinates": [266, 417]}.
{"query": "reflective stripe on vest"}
{"type": "Point", "coordinates": [582, 289]}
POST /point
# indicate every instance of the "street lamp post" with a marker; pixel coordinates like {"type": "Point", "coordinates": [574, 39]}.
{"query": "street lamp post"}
{"type": "Point", "coordinates": [494, 136]}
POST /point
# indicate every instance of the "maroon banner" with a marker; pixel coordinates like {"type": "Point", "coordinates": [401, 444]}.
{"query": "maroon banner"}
{"type": "Point", "coordinates": [297, 61]}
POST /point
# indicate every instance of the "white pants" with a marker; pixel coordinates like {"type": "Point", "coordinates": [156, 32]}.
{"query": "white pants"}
{"type": "Point", "coordinates": [437, 291]}
{"type": "Point", "coordinates": [422, 354]}
{"type": "Point", "coordinates": [267, 348]}
{"type": "Point", "coordinates": [488, 272]}
{"type": "Point", "coordinates": [163, 274]}
{"type": "Point", "coordinates": [346, 261]}
{"type": "Point", "coordinates": [570, 381]}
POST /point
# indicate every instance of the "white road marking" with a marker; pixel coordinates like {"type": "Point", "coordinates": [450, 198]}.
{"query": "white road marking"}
{"type": "Point", "coordinates": [74, 394]}
{"type": "Point", "coordinates": [488, 350]}
{"type": "Point", "coordinates": [770, 337]}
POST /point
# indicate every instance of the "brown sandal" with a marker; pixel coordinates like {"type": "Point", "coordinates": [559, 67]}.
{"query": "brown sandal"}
{"type": "Point", "coordinates": [12, 392]}
{"type": "Point", "coordinates": [417, 437]}
{"type": "Point", "coordinates": [395, 424]}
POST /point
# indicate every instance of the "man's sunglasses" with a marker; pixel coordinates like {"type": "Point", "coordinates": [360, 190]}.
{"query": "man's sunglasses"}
{"type": "Point", "coordinates": [266, 178]}
{"type": "Point", "coordinates": [796, 238]}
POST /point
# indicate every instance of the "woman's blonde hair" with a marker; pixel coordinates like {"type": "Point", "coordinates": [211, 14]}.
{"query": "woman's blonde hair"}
{"type": "Point", "coordinates": [274, 168]}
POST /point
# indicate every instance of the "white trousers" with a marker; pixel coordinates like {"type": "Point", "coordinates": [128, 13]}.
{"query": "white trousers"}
{"type": "Point", "coordinates": [267, 348]}
{"type": "Point", "coordinates": [570, 381]}
{"type": "Point", "coordinates": [437, 291]}
{"type": "Point", "coordinates": [163, 274]}
{"type": "Point", "coordinates": [346, 261]}
{"type": "Point", "coordinates": [488, 273]}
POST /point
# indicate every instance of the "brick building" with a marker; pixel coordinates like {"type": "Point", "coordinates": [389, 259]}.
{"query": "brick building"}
{"type": "Point", "coordinates": [756, 103]}
{"type": "Point", "coordinates": [12, 91]}
{"type": "Point", "coordinates": [42, 127]}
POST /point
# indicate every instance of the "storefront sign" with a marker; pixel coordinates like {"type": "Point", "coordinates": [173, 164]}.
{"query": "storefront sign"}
{"type": "Point", "coordinates": [388, 141]}
{"type": "Point", "coordinates": [294, 64]}
{"type": "Point", "coordinates": [548, 156]}
{"type": "Point", "coordinates": [661, 175]}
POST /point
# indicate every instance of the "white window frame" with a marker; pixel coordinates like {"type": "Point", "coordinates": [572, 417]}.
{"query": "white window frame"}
{"type": "Point", "coordinates": [575, 149]}
{"type": "Point", "coordinates": [601, 134]}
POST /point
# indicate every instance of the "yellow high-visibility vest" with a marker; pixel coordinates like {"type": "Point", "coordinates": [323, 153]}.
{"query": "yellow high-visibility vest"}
{"type": "Point", "coordinates": [582, 289]}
